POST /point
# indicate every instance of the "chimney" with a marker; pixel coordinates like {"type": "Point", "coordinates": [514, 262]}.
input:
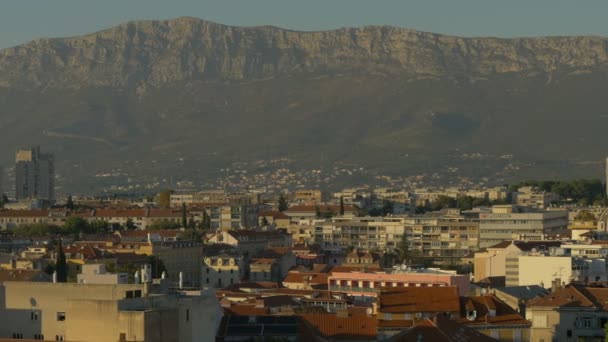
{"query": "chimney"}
{"type": "Point", "coordinates": [556, 284]}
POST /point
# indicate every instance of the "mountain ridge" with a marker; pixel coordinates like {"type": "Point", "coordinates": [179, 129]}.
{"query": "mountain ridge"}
{"type": "Point", "coordinates": [194, 96]}
{"type": "Point", "coordinates": [152, 53]}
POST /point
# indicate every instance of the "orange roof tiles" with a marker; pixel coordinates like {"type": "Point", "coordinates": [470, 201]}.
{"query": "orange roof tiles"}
{"type": "Point", "coordinates": [277, 215]}
{"type": "Point", "coordinates": [350, 327]}
{"type": "Point", "coordinates": [490, 310]}
{"type": "Point", "coordinates": [440, 329]}
{"type": "Point", "coordinates": [573, 296]}
{"type": "Point", "coordinates": [306, 277]}
{"type": "Point", "coordinates": [419, 299]}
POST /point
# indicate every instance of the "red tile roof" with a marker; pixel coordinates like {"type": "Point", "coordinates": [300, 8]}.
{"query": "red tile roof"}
{"type": "Point", "coordinates": [419, 299]}
{"type": "Point", "coordinates": [351, 327]}
{"type": "Point", "coordinates": [573, 296]}
{"type": "Point", "coordinates": [440, 329]}
{"type": "Point", "coordinates": [306, 277]}
{"type": "Point", "coordinates": [490, 310]}
{"type": "Point", "coordinates": [277, 215]}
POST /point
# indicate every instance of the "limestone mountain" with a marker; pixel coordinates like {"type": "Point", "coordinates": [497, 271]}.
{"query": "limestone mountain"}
{"type": "Point", "coordinates": [206, 94]}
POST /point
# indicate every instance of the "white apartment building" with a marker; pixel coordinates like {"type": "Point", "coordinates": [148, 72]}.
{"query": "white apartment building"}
{"type": "Point", "coordinates": [543, 269]}
{"type": "Point", "coordinates": [441, 235]}
{"type": "Point", "coordinates": [509, 222]}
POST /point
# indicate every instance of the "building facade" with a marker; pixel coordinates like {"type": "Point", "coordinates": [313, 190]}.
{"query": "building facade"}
{"type": "Point", "coordinates": [104, 312]}
{"type": "Point", "coordinates": [507, 222]}
{"type": "Point", "coordinates": [34, 174]}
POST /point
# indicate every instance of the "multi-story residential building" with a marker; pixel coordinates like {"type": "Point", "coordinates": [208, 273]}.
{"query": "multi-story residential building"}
{"type": "Point", "coordinates": [213, 197]}
{"type": "Point", "coordinates": [368, 284]}
{"type": "Point", "coordinates": [509, 222]}
{"type": "Point", "coordinates": [491, 261]}
{"type": "Point", "coordinates": [307, 197]}
{"type": "Point", "coordinates": [105, 312]}
{"type": "Point", "coordinates": [261, 269]}
{"type": "Point", "coordinates": [251, 242]}
{"type": "Point", "coordinates": [228, 216]}
{"type": "Point", "coordinates": [275, 218]}
{"type": "Point", "coordinates": [222, 216]}
{"type": "Point", "coordinates": [177, 256]}
{"type": "Point", "coordinates": [446, 235]}
{"type": "Point", "coordinates": [529, 196]}
{"type": "Point", "coordinates": [272, 264]}
{"type": "Point", "coordinates": [569, 313]}
{"type": "Point", "coordinates": [308, 212]}
{"type": "Point", "coordinates": [542, 269]}
{"type": "Point", "coordinates": [34, 174]}
{"type": "Point", "coordinates": [222, 270]}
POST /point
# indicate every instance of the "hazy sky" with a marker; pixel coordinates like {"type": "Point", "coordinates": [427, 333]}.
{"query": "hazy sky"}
{"type": "Point", "coordinates": [24, 20]}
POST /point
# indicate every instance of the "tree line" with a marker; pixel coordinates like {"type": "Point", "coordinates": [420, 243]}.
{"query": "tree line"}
{"type": "Point", "coordinates": [580, 191]}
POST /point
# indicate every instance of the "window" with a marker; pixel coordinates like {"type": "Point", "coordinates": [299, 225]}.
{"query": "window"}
{"type": "Point", "coordinates": [137, 293]}
{"type": "Point", "coordinates": [38, 337]}
{"type": "Point", "coordinates": [586, 322]}
{"type": "Point", "coordinates": [122, 337]}
{"type": "Point", "coordinates": [34, 316]}
{"type": "Point", "coordinates": [61, 316]}
{"type": "Point", "coordinates": [17, 336]}
{"type": "Point", "coordinates": [187, 315]}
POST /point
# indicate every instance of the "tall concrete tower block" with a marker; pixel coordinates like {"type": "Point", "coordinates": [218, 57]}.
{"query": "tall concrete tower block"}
{"type": "Point", "coordinates": [34, 174]}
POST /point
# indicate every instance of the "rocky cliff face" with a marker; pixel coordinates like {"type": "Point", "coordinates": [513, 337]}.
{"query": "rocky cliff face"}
{"type": "Point", "coordinates": [151, 53]}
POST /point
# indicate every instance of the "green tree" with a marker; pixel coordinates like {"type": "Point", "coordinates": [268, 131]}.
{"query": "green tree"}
{"type": "Point", "coordinates": [585, 215]}
{"type": "Point", "coordinates": [184, 216]}
{"type": "Point", "coordinates": [98, 226]}
{"type": "Point", "coordinates": [283, 203]}
{"type": "Point", "coordinates": [129, 225]}
{"type": "Point", "coordinates": [191, 223]}
{"type": "Point", "coordinates": [70, 203]}
{"type": "Point", "coordinates": [387, 208]}
{"type": "Point", "coordinates": [76, 225]}
{"type": "Point", "coordinates": [317, 211]}
{"type": "Point", "coordinates": [206, 221]}
{"type": "Point", "coordinates": [61, 265]}
{"type": "Point", "coordinates": [443, 202]}
{"type": "Point", "coordinates": [49, 269]}
{"type": "Point", "coordinates": [191, 234]}
{"type": "Point", "coordinates": [403, 247]}
{"type": "Point", "coordinates": [464, 202]}
{"type": "Point", "coordinates": [264, 221]}
{"type": "Point", "coordinates": [3, 200]}
{"type": "Point", "coordinates": [157, 265]}
{"type": "Point", "coordinates": [164, 224]}
{"type": "Point", "coordinates": [341, 205]}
